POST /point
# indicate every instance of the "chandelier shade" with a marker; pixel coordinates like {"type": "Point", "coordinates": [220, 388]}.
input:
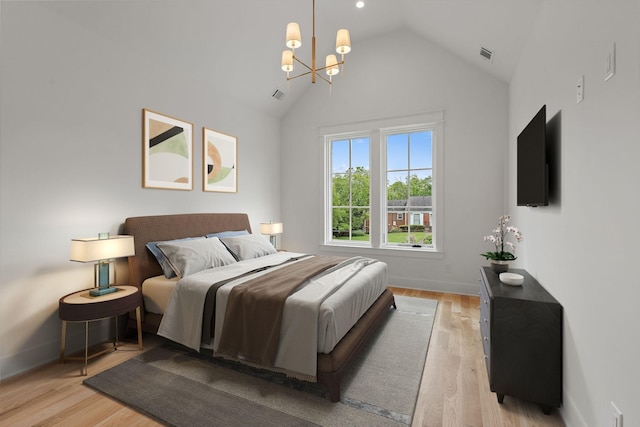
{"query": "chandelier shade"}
{"type": "Point", "coordinates": [332, 65]}
{"type": "Point", "coordinates": [294, 40]}
{"type": "Point", "coordinates": [343, 42]}
{"type": "Point", "coordinates": [287, 60]}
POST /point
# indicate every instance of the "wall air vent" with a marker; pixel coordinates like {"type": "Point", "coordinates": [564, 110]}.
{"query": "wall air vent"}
{"type": "Point", "coordinates": [486, 54]}
{"type": "Point", "coordinates": [278, 94]}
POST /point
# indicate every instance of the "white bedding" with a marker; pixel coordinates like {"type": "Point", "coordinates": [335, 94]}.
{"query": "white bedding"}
{"type": "Point", "coordinates": [342, 295]}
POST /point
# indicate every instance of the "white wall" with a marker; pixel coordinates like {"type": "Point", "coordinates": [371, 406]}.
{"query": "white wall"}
{"type": "Point", "coordinates": [394, 75]}
{"type": "Point", "coordinates": [71, 144]}
{"type": "Point", "coordinates": [584, 246]}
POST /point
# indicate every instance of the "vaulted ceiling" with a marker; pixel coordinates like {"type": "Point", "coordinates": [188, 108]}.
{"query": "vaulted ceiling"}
{"type": "Point", "coordinates": [238, 43]}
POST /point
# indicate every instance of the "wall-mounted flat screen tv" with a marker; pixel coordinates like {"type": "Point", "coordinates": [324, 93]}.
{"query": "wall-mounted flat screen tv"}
{"type": "Point", "coordinates": [532, 168]}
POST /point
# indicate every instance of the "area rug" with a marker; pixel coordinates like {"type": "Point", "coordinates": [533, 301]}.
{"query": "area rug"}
{"type": "Point", "coordinates": [179, 387]}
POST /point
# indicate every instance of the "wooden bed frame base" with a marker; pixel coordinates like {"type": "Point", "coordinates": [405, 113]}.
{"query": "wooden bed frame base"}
{"type": "Point", "coordinates": [331, 366]}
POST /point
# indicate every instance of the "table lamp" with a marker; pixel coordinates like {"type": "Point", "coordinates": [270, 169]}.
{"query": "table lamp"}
{"type": "Point", "coordinates": [271, 229]}
{"type": "Point", "coordinates": [102, 250]}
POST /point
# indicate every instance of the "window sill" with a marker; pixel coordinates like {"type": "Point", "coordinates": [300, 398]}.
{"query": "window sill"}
{"type": "Point", "coordinates": [400, 251]}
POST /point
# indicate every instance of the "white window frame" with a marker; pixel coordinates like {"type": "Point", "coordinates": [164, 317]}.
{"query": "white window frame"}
{"type": "Point", "coordinates": [376, 130]}
{"type": "Point", "coordinates": [329, 201]}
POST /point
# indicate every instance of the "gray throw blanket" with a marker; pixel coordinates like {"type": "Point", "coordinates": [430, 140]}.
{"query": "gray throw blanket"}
{"type": "Point", "coordinates": [253, 317]}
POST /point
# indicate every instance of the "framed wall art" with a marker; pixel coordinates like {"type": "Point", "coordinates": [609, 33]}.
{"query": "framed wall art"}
{"type": "Point", "coordinates": [220, 161]}
{"type": "Point", "coordinates": [167, 152]}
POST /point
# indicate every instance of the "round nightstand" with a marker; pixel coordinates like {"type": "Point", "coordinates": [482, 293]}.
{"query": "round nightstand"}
{"type": "Point", "coordinates": [82, 307]}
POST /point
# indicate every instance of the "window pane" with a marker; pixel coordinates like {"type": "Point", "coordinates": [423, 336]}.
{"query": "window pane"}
{"type": "Point", "coordinates": [398, 151]}
{"type": "Point", "coordinates": [360, 225]}
{"type": "Point", "coordinates": [360, 153]}
{"type": "Point", "coordinates": [340, 190]}
{"type": "Point", "coordinates": [340, 156]}
{"type": "Point", "coordinates": [419, 229]}
{"type": "Point", "coordinates": [360, 187]}
{"type": "Point", "coordinates": [397, 185]}
{"type": "Point", "coordinates": [421, 150]}
{"type": "Point", "coordinates": [340, 222]}
{"type": "Point", "coordinates": [420, 183]}
{"type": "Point", "coordinates": [350, 224]}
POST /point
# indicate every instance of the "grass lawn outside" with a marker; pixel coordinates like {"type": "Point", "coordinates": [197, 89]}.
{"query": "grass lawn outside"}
{"type": "Point", "coordinates": [392, 237]}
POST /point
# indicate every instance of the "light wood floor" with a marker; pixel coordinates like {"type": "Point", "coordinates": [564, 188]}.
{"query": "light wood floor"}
{"type": "Point", "coordinates": [454, 389]}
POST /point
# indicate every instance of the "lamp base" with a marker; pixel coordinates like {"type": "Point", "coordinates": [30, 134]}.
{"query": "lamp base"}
{"type": "Point", "coordinates": [102, 291]}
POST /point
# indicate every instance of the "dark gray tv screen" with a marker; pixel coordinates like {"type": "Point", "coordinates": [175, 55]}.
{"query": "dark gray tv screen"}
{"type": "Point", "coordinates": [532, 169]}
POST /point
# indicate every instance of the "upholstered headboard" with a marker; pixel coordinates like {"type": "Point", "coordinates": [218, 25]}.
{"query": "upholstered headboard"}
{"type": "Point", "coordinates": [146, 229]}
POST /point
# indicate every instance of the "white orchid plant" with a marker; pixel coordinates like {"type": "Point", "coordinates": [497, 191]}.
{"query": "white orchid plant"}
{"type": "Point", "coordinates": [499, 238]}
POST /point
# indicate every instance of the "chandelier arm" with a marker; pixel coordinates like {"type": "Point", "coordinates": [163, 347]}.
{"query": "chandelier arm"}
{"type": "Point", "coordinates": [329, 66]}
{"type": "Point", "coordinates": [317, 69]}
{"type": "Point", "coordinates": [302, 63]}
{"type": "Point", "coordinates": [299, 75]}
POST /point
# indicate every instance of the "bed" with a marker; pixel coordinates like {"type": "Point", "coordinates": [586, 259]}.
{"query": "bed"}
{"type": "Point", "coordinates": [144, 268]}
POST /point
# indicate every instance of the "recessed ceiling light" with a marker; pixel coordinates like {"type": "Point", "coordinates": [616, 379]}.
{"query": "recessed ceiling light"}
{"type": "Point", "coordinates": [360, 4]}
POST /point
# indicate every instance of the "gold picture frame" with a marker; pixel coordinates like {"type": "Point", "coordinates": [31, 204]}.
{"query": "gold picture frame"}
{"type": "Point", "coordinates": [167, 152]}
{"type": "Point", "coordinates": [219, 161]}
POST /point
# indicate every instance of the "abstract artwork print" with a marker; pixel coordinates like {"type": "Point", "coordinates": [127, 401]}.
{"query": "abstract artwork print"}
{"type": "Point", "coordinates": [220, 161]}
{"type": "Point", "coordinates": [168, 152]}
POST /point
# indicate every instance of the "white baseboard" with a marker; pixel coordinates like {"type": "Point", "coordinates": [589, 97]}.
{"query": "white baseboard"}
{"type": "Point", "coordinates": [426, 284]}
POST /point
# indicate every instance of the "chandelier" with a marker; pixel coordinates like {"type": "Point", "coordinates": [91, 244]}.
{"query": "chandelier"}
{"type": "Point", "coordinates": [294, 41]}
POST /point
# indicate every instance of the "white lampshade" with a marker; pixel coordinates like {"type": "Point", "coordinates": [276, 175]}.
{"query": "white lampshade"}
{"type": "Point", "coordinates": [294, 40]}
{"type": "Point", "coordinates": [332, 65]}
{"type": "Point", "coordinates": [271, 228]}
{"type": "Point", "coordinates": [287, 60]}
{"type": "Point", "coordinates": [343, 42]}
{"type": "Point", "coordinates": [95, 249]}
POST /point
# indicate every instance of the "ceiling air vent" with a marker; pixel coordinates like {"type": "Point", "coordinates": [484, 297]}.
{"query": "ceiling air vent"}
{"type": "Point", "coordinates": [486, 54]}
{"type": "Point", "coordinates": [278, 94]}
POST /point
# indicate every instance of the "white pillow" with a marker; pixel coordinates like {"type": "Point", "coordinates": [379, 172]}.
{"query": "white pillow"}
{"type": "Point", "coordinates": [249, 246]}
{"type": "Point", "coordinates": [190, 256]}
{"type": "Point", "coordinates": [162, 260]}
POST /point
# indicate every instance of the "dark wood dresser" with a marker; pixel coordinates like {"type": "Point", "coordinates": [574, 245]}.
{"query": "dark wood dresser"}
{"type": "Point", "coordinates": [521, 331]}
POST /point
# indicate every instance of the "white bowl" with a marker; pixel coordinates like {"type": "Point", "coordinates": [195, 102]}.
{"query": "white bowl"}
{"type": "Point", "coordinates": [512, 279]}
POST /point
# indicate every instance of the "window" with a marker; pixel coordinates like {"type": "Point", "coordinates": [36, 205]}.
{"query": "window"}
{"type": "Point", "coordinates": [409, 169]}
{"type": "Point", "coordinates": [350, 184]}
{"type": "Point", "coordinates": [382, 181]}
